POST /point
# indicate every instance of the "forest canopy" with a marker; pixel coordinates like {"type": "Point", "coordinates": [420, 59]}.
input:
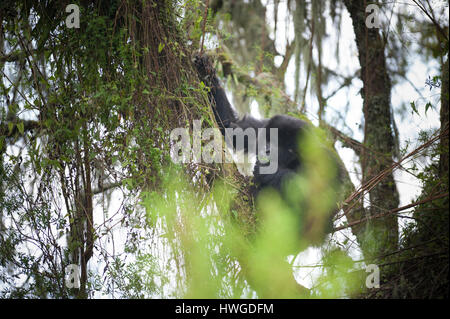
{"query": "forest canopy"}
{"type": "Point", "coordinates": [93, 203]}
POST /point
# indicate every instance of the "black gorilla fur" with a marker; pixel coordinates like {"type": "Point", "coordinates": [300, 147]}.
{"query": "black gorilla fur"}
{"type": "Point", "coordinates": [290, 129]}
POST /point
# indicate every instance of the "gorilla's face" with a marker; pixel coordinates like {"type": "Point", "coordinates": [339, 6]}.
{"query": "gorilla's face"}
{"type": "Point", "coordinates": [289, 131]}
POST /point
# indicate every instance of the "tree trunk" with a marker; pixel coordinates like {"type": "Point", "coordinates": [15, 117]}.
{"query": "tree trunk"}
{"type": "Point", "coordinates": [381, 235]}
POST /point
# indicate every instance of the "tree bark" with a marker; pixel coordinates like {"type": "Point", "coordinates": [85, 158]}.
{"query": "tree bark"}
{"type": "Point", "coordinates": [380, 235]}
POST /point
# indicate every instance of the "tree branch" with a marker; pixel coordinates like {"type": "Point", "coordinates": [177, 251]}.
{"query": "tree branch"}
{"type": "Point", "coordinates": [28, 125]}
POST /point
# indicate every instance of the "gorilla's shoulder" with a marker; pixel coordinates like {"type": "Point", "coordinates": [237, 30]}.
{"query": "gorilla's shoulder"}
{"type": "Point", "coordinates": [286, 122]}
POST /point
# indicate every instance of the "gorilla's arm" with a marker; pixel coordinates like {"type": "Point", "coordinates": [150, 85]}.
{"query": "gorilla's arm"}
{"type": "Point", "coordinates": [224, 113]}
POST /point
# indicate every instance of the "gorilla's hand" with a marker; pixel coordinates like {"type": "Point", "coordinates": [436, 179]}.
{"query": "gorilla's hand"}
{"type": "Point", "coordinates": [204, 67]}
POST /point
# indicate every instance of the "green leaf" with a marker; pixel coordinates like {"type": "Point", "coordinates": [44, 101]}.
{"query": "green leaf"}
{"type": "Point", "coordinates": [20, 127]}
{"type": "Point", "coordinates": [161, 47]}
{"type": "Point", "coordinates": [236, 82]}
{"type": "Point", "coordinates": [427, 106]}
{"type": "Point", "coordinates": [10, 127]}
{"type": "Point", "coordinates": [413, 106]}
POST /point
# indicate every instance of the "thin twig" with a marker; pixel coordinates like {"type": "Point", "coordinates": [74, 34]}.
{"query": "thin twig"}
{"type": "Point", "coordinates": [205, 16]}
{"type": "Point", "coordinates": [392, 211]}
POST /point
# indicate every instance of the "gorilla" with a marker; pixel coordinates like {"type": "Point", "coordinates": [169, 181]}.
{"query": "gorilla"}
{"type": "Point", "coordinates": [284, 150]}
